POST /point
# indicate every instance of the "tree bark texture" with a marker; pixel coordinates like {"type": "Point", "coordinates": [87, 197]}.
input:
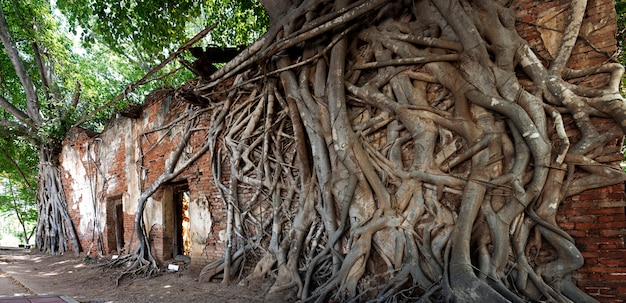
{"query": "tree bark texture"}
{"type": "Point", "coordinates": [403, 151]}
{"type": "Point", "coordinates": [55, 229]}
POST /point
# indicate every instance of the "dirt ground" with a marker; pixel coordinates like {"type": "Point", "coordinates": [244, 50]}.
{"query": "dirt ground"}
{"type": "Point", "coordinates": [87, 280]}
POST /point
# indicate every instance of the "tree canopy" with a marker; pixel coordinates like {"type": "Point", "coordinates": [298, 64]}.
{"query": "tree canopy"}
{"type": "Point", "coordinates": [146, 31]}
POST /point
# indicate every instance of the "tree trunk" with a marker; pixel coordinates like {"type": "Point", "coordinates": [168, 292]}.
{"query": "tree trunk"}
{"type": "Point", "coordinates": [55, 229]}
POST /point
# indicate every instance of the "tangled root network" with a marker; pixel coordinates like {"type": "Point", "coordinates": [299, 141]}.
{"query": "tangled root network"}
{"type": "Point", "coordinates": [404, 151]}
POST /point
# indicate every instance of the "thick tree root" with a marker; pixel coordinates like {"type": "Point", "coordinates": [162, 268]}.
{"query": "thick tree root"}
{"type": "Point", "coordinates": [55, 229]}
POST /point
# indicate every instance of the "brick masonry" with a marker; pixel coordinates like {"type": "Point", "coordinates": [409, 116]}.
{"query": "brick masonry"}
{"type": "Point", "coordinates": [127, 157]}
{"type": "Point", "coordinates": [121, 168]}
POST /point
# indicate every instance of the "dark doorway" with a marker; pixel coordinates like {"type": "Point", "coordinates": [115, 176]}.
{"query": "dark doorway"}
{"type": "Point", "coordinates": [119, 227]}
{"type": "Point", "coordinates": [182, 236]}
{"type": "Point", "coordinates": [115, 225]}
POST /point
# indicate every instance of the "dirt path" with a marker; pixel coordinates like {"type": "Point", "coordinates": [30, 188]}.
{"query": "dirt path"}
{"type": "Point", "coordinates": [24, 272]}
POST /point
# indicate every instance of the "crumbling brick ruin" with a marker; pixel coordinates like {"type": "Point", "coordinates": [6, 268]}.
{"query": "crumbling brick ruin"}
{"type": "Point", "coordinates": [105, 173]}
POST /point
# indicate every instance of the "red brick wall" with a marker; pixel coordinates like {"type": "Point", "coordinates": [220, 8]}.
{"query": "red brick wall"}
{"type": "Point", "coordinates": [155, 148]}
{"type": "Point", "coordinates": [597, 221]}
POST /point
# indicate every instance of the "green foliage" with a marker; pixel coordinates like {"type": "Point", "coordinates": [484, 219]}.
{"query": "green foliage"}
{"type": "Point", "coordinates": [18, 171]}
{"type": "Point", "coordinates": [101, 73]}
{"type": "Point", "coordinates": [141, 33]}
{"type": "Point", "coordinates": [29, 22]}
{"type": "Point", "coordinates": [17, 158]}
{"type": "Point", "coordinates": [146, 31]}
{"type": "Point", "coordinates": [13, 199]}
{"type": "Point", "coordinates": [144, 25]}
{"type": "Point", "coordinates": [238, 22]}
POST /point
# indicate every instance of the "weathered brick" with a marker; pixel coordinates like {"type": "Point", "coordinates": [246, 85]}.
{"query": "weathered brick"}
{"type": "Point", "coordinates": [604, 211]}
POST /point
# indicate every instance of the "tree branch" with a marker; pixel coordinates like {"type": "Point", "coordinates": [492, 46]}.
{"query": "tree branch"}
{"type": "Point", "coordinates": [32, 101]}
{"type": "Point", "coordinates": [45, 73]}
{"type": "Point", "coordinates": [17, 113]}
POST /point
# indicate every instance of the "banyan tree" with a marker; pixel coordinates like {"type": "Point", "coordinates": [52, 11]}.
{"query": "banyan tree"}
{"type": "Point", "coordinates": [393, 151]}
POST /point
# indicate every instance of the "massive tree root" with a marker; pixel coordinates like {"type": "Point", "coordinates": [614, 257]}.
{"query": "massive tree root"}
{"type": "Point", "coordinates": [55, 230]}
{"type": "Point", "coordinates": [402, 151]}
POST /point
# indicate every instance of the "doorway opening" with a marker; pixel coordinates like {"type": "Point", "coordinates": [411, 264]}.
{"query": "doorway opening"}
{"type": "Point", "coordinates": [115, 225]}
{"type": "Point", "coordinates": [182, 235]}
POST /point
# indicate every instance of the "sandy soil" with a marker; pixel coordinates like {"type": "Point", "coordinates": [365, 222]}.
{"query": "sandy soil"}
{"type": "Point", "coordinates": [87, 280]}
